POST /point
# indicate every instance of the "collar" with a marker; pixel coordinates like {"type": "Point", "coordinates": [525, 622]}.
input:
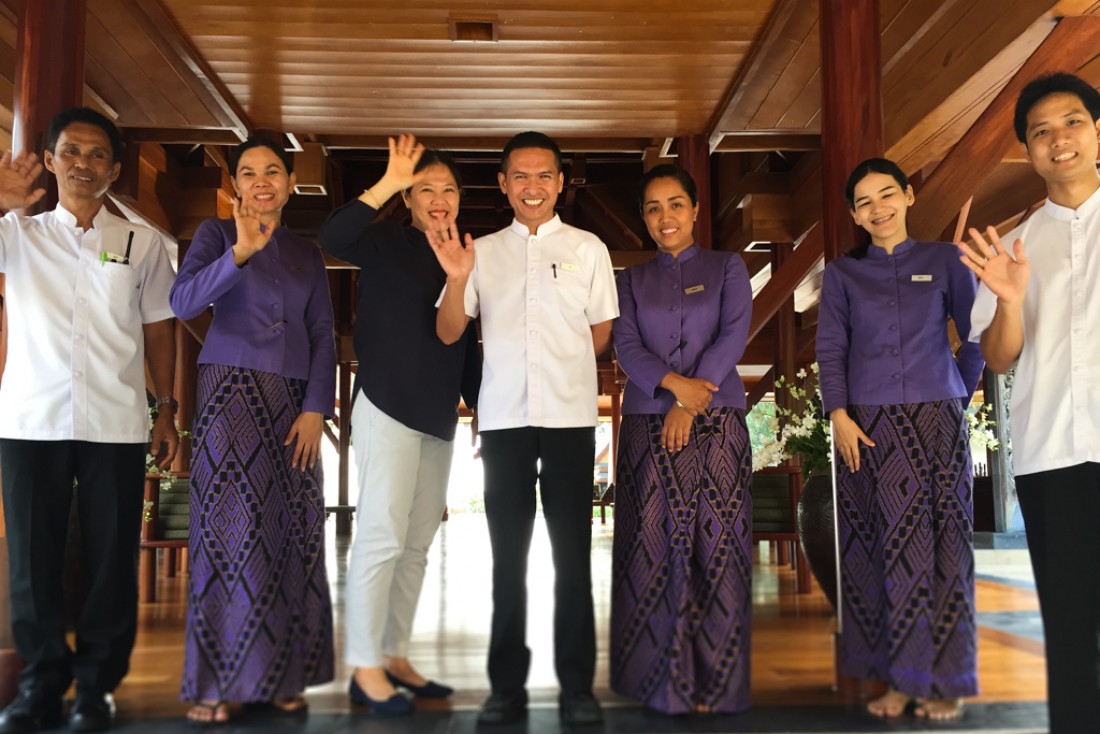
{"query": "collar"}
{"type": "Point", "coordinates": [543, 229]}
{"type": "Point", "coordinates": [1088, 207]}
{"type": "Point", "coordinates": [874, 252]}
{"type": "Point", "coordinates": [692, 250]}
{"type": "Point", "coordinates": [66, 217]}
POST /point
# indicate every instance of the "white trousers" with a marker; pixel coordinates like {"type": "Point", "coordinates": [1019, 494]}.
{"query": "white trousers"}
{"type": "Point", "coordinates": [402, 494]}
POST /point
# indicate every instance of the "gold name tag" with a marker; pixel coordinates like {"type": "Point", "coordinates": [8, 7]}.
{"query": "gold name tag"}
{"type": "Point", "coordinates": [922, 278]}
{"type": "Point", "coordinates": [693, 289]}
{"type": "Point", "coordinates": [570, 267]}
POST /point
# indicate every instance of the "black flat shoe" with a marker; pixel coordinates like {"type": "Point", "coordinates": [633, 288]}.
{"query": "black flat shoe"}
{"type": "Point", "coordinates": [32, 710]}
{"type": "Point", "coordinates": [395, 705]}
{"type": "Point", "coordinates": [579, 709]}
{"type": "Point", "coordinates": [503, 708]}
{"type": "Point", "coordinates": [92, 712]}
{"type": "Point", "coordinates": [431, 689]}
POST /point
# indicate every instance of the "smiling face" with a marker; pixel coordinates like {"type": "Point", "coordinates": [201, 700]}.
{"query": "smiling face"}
{"type": "Point", "coordinates": [532, 183]}
{"type": "Point", "coordinates": [669, 215]}
{"type": "Point", "coordinates": [880, 206]}
{"type": "Point", "coordinates": [1062, 139]}
{"type": "Point", "coordinates": [262, 181]}
{"type": "Point", "coordinates": [83, 164]}
{"type": "Point", "coordinates": [433, 197]}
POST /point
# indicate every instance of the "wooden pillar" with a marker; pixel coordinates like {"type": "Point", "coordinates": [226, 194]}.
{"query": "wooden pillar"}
{"type": "Point", "coordinates": [851, 107]}
{"type": "Point", "coordinates": [851, 131]}
{"type": "Point", "coordinates": [49, 74]}
{"type": "Point", "coordinates": [49, 77]}
{"type": "Point", "coordinates": [694, 154]}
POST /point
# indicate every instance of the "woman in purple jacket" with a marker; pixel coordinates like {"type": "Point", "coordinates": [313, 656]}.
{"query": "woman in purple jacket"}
{"type": "Point", "coordinates": [682, 559]}
{"type": "Point", "coordinates": [897, 397]}
{"type": "Point", "coordinates": [259, 621]}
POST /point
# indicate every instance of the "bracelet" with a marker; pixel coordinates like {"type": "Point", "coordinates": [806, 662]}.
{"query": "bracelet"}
{"type": "Point", "coordinates": [680, 405]}
{"type": "Point", "coordinates": [373, 199]}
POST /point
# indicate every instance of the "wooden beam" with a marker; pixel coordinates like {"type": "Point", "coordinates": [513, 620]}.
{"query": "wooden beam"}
{"type": "Point", "coordinates": [1070, 45]}
{"type": "Point", "coordinates": [851, 107]}
{"type": "Point", "coordinates": [594, 195]}
{"type": "Point", "coordinates": [748, 141]}
{"type": "Point", "coordinates": [188, 62]}
{"type": "Point", "coordinates": [759, 62]}
{"type": "Point", "coordinates": [187, 136]}
{"type": "Point", "coordinates": [694, 153]}
{"type": "Point", "coordinates": [611, 144]}
{"type": "Point", "coordinates": [786, 279]}
{"type": "Point", "coordinates": [49, 75]}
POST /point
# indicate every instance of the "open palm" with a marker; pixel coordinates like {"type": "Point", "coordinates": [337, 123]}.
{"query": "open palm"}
{"type": "Point", "coordinates": [1005, 275]}
{"type": "Point", "coordinates": [17, 178]}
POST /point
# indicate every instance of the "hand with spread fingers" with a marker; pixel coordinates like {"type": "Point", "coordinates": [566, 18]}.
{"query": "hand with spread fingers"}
{"type": "Point", "coordinates": [455, 257]}
{"type": "Point", "coordinates": [847, 437]}
{"type": "Point", "coordinates": [17, 177]}
{"type": "Point", "coordinates": [676, 431]}
{"type": "Point", "coordinates": [253, 233]}
{"type": "Point", "coordinates": [1006, 275]}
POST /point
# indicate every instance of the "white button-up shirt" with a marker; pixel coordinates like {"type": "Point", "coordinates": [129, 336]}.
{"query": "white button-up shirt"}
{"type": "Point", "coordinates": [75, 368]}
{"type": "Point", "coordinates": [1055, 404]}
{"type": "Point", "coordinates": [538, 296]}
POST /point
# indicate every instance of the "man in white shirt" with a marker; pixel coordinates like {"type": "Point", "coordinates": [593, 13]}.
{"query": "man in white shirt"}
{"type": "Point", "coordinates": [546, 295]}
{"type": "Point", "coordinates": [1037, 309]}
{"type": "Point", "coordinates": [87, 305]}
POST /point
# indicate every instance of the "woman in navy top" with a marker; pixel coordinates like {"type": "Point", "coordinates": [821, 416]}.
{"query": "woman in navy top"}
{"type": "Point", "coordinates": [404, 416]}
{"type": "Point", "coordinates": [897, 396]}
{"type": "Point", "coordinates": [681, 607]}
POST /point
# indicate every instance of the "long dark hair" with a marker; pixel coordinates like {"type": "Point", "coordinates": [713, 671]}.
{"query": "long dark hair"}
{"type": "Point", "coordinates": [872, 165]}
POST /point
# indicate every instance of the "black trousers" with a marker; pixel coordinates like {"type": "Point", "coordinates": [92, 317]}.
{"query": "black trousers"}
{"type": "Point", "coordinates": [1061, 510]}
{"type": "Point", "coordinates": [38, 492]}
{"type": "Point", "coordinates": [561, 459]}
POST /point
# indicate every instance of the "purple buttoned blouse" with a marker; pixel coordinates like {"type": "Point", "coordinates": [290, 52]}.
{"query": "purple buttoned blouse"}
{"type": "Point", "coordinates": [881, 331]}
{"type": "Point", "coordinates": [688, 315]}
{"type": "Point", "coordinates": [273, 315]}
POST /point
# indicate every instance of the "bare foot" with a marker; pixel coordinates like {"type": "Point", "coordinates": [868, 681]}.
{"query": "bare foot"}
{"type": "Point", "coordinates": [403, 670]}
{"type": "Point", "coordinates": [209, 712]}
{"type": "Point", "coordinates": [290, 705]}
{"type": "Point", "coordinates": [889, 705]}
{"type": "Point", "coordinates": [939, 709]}
{"type": "Point", "coordinates": [374, 683]}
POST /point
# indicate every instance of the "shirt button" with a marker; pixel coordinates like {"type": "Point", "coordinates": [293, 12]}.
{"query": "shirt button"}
{"type": "Point", "coordinates": [891, 303]}
{"type": "Point", "coordinates": [77, 373]}
{"type": "Point", "coordinates": [534, 301]}
{"type": "Point", "coordinates": [897, 375]}
{"type": "Point", "coordinates": [533, 332]}
{"type": "Point", "coordinates": [894, 352]}
{"type": "Point", "coordinates": [276, 281]}
{"type": "Point", "coordinates": [82, 301]}
{"type": "Point", "coordinates": [893, 327]}
{"type": "Point", "coordinates": [675, 308]}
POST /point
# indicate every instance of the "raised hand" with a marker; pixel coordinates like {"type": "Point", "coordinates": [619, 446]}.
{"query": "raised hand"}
{"type": "Point", "coordinates": [1007, 276]}
{"type": "Point", "coordinates": [252, 233]}
{"type": "Point", "coordinates": [405, 153]}
{"type": "Point", "coordinates": [456, 260]}
{"type": "Point", "coordinates": [17, 178]}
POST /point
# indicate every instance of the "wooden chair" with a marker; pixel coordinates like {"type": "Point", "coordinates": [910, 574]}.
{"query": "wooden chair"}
{"type": "Point", "coordinates": [164, 527]}
{"type": "Point", "coordinates": [603, 499]}
{"type": "Point", "coordinates": [775, 493]}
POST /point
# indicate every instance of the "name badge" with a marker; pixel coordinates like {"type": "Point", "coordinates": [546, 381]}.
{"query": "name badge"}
{"type": "Point", "coordinates": [922, 278]}
{"type": "Point", "coordinates": [570, 267]}
{"type": "Point", "coordinates": [693, 289]}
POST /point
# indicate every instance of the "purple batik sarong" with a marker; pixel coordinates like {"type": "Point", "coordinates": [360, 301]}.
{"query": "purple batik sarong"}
{"type": "Point", "coordinates": [259, 620]}
{"type": "Point", "coordinates": [681, 606]}
{"type": "Point", "coordinates": [907, 559]}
